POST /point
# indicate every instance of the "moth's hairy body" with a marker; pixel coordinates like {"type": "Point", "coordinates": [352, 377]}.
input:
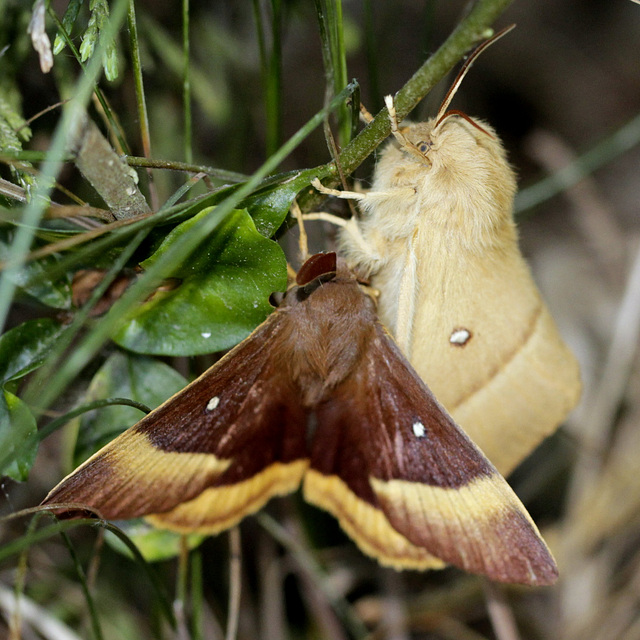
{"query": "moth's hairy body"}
{"type": "Point", "coordinates": [448, 218]}
{"type": "Point", "coordinates": [324, 338]}
{"type": "Point", "coordinates": [460, 206]}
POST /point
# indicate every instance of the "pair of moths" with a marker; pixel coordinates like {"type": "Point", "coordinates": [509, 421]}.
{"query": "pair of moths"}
{"type": "Point", "coordinates": [438, 240]}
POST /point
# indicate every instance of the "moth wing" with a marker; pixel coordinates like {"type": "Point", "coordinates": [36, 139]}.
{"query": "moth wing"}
{"type": "Point", "coordinates": [388, 461]}
{"type": "Point", "coordinates": [527, 400]}
{"type": "Point", "coordinates": [210, 455]}
{"type": "Point", "coordinates": [514, 380]}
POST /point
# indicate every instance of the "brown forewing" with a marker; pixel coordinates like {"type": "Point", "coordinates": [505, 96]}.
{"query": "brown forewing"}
{"type": "Point", "coordinates": [238, 419]}
{"type": "Point", "coordinates": [385, 436]}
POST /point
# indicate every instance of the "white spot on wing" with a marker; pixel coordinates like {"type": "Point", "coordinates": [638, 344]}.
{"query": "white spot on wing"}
{"type": "Point", "coordinates": [213, 403]}
{"type": "Point", "coordinates": [206, 334]}
{"type": "Point", "coordinates": [419, 430]}
{"type": "Point", "coordinates": [460, 337]}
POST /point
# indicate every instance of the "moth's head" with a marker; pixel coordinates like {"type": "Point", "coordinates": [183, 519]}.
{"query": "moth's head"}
{"type": "Point", "coordinates": [461, 176]}
{"type": "Point", "coordinates": [457, 156]}
{"type": "Point", "coordinates": [318, 270]}
{"type": "Point", "coordinates": [445, 152]}
{"type": "Point", "coordinates": [456, 141]}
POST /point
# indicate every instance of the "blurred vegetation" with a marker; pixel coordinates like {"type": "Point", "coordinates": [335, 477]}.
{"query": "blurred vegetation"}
{"type": "Point", "coordinates": [162, 145]}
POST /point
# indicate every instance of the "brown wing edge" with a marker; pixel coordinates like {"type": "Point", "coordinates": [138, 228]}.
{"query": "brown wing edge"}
{"type": "Point", "coordinates": [412, 500]}
{"type": "Point", "coordinates": [365, 524]}
{"type": "Point", "coordinates": [188, 481]}
{"type": "Point", "coordinates": [476, 521]}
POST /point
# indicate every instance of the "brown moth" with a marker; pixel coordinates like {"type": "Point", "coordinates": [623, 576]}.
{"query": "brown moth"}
{"type": "Point", "coordinates": [438, 241]}
{"type": "Point", "coordinates": [384, 458]}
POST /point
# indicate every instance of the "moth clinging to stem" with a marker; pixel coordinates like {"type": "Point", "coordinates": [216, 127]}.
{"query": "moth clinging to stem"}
{"type": "Point", "coordinates": [437, 239]}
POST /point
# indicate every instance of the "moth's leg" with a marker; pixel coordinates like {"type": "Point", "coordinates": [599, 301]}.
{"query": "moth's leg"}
{"type": "Point", "coordinates": [327, 217]}
{"type": "Point", "coordinates": [364, 114]}
{"type": "Point", "coordinates": [407, 299]}
{"type": "Point", "coordinates": [372, 292]}
{"type": "Point", "coordinates": [345, 195]}
{"type": "Point", "coordinates": [396, 192]}
{"type": "Point", "coordinates": [352, 228]}
{"type": "Point", "coordinates": [407, 145]}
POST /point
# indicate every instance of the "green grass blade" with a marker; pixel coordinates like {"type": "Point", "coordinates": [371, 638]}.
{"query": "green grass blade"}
{"type": "Point", "coordinates": [625, 138]}
{"type": "Point", "coordinates": [35, 208]}
{"type": "Point", "coordinates": [35, 537]}
{"type": "Point", "coordinates": [186, 82]}
{"type": "Point", "coordinates": [93, 613]}
{"type": "Point", "coordinates": [330, 22]}
{"type": "Point", "coordinates": [54, 425]}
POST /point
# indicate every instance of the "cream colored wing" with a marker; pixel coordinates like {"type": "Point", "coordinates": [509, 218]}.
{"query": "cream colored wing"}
{"type": "Point", "coordinates": [481, 336]}
{"type": "Point", "coordinates": [485, 343]}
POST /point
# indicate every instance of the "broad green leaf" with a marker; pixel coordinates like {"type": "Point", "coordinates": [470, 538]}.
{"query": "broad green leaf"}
{"type": "Point", "coordinates": [270, 205]}
{"type": "Point", "coordinates": [154, 544]}
{"type": "Point", "coordinates": [22, 349]}
{"type": "Point", "coordinates": [223, 293]}
{"type": "Point", "coordinates": [123, 376]}
{"type": "Point", "coordinates": [18, 437]}
{"type": "Point", "coordinates": [25, 347]}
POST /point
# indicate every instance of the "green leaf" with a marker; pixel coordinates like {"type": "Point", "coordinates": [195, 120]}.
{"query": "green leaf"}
{"type": "Point", "coordinates": [123, 376]}
{"type": "Point", "coordinates": [33, 278]}
{"type": "Point", "coordinates": [223, 295]}
{"type": "Point", "coordinates": [68, 20]}
{"type": "Point", "coordinates": [24, 348]}
{"type": "Point", "coordinates": [18, 437]}
{"type": "Point", "coordinates": [270, 205]}
{"type": "Point", "coordinates": [154, 544]}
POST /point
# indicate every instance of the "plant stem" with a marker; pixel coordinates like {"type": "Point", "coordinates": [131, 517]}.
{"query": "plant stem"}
{"type": "Point", "coordinates": [469, 32]}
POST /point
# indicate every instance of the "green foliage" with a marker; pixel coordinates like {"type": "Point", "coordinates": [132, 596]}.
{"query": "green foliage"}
{"type": "Point", "coordinates": [68, 20]}
{"type": "Point", "coordinates": [223, 292]}
{"type": "Point", "coordinates": [13, 133]}
{"type": "Point", "coordinates": [122, 375]}
{"type": "Point", "coordinates": [149, 382]}
{"type": "Point", "coordinates": [98, 20]}
{"type": "Point", "coordinates": [330, 21]}
{"type": "Point", "coordinates": [18, 437]}
{"type": "Point", "coordinates": [22, 350]}
{"type": "Point", "coordinates": [38, 280]}
{"type": "Point", "coordinates": [25, 347]}
{"type": "Point", "coordinates": [155, 545]}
